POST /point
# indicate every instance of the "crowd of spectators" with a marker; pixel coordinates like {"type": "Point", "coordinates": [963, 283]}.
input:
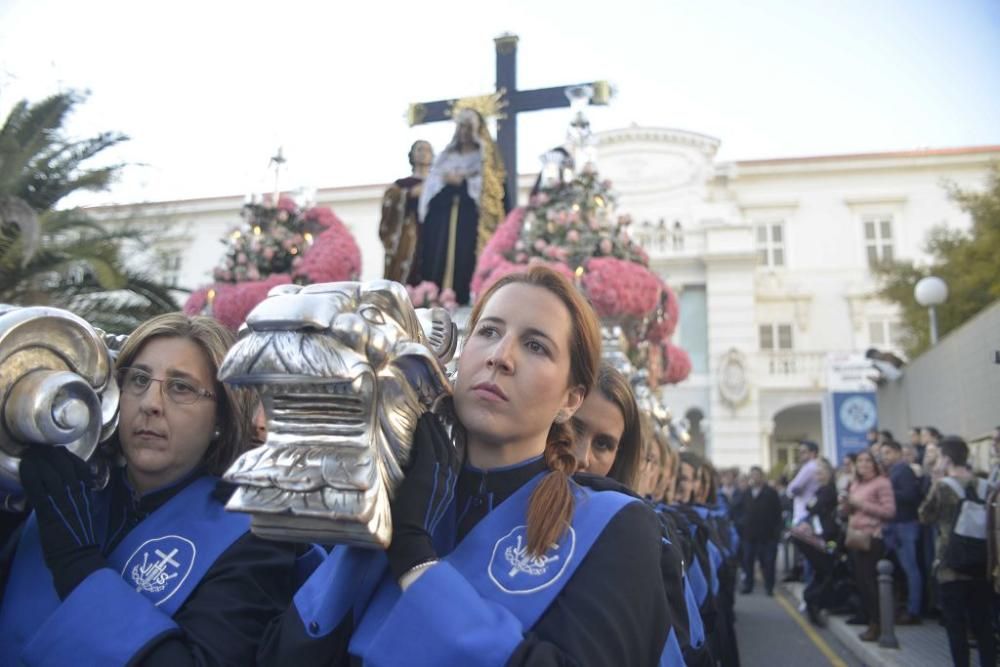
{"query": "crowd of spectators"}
{"type": "Point", "coordinates": [919, 503]}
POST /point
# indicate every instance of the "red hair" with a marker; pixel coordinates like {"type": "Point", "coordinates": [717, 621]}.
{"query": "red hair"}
{"type": "Point", "coordinates": [550, 509]}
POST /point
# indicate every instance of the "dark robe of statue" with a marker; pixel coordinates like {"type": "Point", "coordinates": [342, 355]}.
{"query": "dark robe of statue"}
{"type": "Point", "coordinates": [460, 207]}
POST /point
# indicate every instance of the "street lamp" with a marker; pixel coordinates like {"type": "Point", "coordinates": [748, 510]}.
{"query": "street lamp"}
{"type": "Point", "coordinates": [929, 292]}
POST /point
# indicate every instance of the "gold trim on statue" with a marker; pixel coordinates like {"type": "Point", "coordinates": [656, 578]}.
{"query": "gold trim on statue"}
{"type": "Point", "coordinates": [488, 106]}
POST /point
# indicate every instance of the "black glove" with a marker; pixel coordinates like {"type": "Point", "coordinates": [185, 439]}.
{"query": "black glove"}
{"type": "Point", "coordinates": [424, 495]}
{"type": "Point", "coordinates": [57, 485]}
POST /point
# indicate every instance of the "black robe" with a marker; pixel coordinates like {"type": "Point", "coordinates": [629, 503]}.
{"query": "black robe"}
{"type": "Point", "coordinates": [606, 614]}
{"type": "Point", "coordinates": [251, 583]}
{"type": "Point", "coordinates": [434, 231]}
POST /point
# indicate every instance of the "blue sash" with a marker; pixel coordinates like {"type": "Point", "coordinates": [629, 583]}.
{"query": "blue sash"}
{"type": "Point", "coordinates": [493, 559]}
{"type": "Point", "coordinates": [163, 559]}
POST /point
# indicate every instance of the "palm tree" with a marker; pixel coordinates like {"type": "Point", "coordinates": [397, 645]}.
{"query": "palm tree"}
{"type": "Point", "coordinates": [63, 257]}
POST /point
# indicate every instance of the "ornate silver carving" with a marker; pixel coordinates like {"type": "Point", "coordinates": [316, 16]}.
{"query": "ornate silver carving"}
{"type": "Point", "coordinates": [344, 371]}
{"type": "Point", "coordinates": [57, 388]}
{"type": "Point", "coordinates": [614, 348]}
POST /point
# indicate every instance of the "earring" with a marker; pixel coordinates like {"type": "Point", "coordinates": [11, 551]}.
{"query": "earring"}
{"type": "Point", "coordinates": [216, 433]}
{"type": "Point", "coordinates": [561, 417]}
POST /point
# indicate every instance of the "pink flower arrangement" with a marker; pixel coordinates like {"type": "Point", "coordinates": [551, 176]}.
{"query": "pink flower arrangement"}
{"type": "Point", "coordinates": [492, 258]}
{"type": "Point", "coordinates": [333, 256]}
{"type": "Point", "coordinates": [426, 295]}
{"type": "Point", "coordinates": [233, 302]}
{"type": "Point", "coordinates": [505, 268]}
{"type": "Point", "coordinates": [423, 294]}
{"type": "Point", "coordinates": [288, 205]}
{"type": "Point", "coordinates": [619, 288]}
{"type": "Point", "coordinates": [322, 216]}
{"type": "Point", "coordinates": [196, 303]}
{"type": "Point", "coordinates": [277, 253]}
{"type": "Point", "coordinates": [667, 315]}
{"type": "Point", "coordinates": [677, 364]}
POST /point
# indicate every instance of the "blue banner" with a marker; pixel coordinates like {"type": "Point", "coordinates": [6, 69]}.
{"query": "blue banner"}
{"type": "Point", "coordinates": [854, 413]}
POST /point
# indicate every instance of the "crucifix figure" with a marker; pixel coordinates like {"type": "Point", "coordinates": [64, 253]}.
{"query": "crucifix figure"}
{"type": "Point", "coordinates": [505, 104]}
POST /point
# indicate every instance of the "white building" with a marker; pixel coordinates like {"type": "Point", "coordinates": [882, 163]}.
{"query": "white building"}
{"type": "Point", "coordinates": [770, 259]}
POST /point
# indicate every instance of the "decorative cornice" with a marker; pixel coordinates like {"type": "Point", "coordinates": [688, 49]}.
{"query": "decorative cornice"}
{"type": "Point", "coordinates": [924, 153]}
{"type": "Point", "coordinates": [768, 204]}
{"type": "Point", "coordinates": [857, 201]}
{"type": "Point", "coordinates": [702, 142]}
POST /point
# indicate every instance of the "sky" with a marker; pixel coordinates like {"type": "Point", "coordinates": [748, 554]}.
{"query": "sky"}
{"type": "Point", "coordinates": [209, 90]}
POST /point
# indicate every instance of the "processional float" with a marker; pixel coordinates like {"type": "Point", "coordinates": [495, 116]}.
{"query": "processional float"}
{"type": "Point", "coordinates": [344, 371]}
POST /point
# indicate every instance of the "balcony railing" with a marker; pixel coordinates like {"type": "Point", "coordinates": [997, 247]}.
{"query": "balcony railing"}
{"type": "Point", "coordinates": [665, 241]}
{"type": "Point", "coordinates": [791, 368]}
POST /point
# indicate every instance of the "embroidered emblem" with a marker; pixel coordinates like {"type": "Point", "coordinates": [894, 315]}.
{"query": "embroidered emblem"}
{"type": "Point", "coordinates": [160, 566]}
{"type": "Point", "coordinates": [517, 572]}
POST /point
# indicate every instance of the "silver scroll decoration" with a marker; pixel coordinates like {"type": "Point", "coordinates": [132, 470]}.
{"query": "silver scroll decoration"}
{"type": "Point", "coordinates": [344, 371]}
{"type": "Point", "coordinates": [57, 388]}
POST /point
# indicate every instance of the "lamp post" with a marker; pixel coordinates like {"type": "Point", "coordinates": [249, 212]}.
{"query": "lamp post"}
{"type": "Point", "coordinates": [929, 292]}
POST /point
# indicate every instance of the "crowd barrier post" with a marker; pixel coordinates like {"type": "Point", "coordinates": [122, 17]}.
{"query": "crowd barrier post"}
{"type": "Point", "coordinates": [886, 606]}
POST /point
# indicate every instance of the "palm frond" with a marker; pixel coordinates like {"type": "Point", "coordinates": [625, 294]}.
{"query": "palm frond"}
{"type": "Point", "coordinates": [27, 131]}
{"type": "Point", "coordinates": [80, 264]}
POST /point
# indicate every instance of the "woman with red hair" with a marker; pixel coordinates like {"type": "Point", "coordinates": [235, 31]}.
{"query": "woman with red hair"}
{"type": "Point", "coordinates": [500, 556]}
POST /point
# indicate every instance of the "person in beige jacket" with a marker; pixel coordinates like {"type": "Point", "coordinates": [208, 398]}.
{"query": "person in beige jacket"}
{"type": "Point", "coordinates": [870, 504]}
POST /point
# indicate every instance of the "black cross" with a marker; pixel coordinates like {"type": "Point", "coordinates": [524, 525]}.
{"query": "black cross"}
{"type": "Point", "coordinates": [511, 102]}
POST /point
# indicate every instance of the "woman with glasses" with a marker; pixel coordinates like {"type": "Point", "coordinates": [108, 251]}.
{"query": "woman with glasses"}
{"type": "Point", "coordinates": [151, 569]}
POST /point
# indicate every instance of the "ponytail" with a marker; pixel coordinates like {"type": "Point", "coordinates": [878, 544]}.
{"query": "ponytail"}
{"type": "Point", "coordinates": [550, 509]}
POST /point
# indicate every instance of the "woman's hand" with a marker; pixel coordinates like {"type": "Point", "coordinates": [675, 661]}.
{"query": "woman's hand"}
{"type": "Point", "coordinates": [843, 503]}
{"type": "Point", "coordinates": [57, 486]}
{"type": "Point", "coordinates": [424, 495]}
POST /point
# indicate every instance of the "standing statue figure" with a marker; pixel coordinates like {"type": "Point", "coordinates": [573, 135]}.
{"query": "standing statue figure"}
{"type": "Point", "coordinates": [461, 205]}
{"type": "Point", "coordinates": [398, 228]}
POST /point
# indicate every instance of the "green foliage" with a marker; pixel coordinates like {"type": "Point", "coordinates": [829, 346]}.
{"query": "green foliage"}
{"type": "Point", "coordinates": [63, 257]}
{"type": "Point", "coordinates": [966, 260]}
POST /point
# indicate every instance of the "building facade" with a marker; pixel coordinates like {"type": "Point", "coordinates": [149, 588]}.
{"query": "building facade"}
{"type": "Point", "coordinates": [771, 260]}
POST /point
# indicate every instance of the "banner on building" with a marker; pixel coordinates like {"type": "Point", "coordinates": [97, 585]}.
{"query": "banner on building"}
{"type": "Point", "coordinates": [853, 413]}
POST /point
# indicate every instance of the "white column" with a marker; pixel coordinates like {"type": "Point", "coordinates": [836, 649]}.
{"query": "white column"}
{"type": "Point", "coordinates": [730, 263]}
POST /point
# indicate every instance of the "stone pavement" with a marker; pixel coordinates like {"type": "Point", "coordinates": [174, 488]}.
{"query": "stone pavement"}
{"type": "Point", "coordinates": [924, 645]}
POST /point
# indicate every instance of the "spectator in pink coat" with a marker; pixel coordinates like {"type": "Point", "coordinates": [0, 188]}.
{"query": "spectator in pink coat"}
{"type": "Point", "coordinates": [870, 504]}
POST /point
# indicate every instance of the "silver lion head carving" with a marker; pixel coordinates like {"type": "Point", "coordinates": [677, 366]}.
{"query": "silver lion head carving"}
{"type": "Point", "coordinates": [57, 388]}
{"type": "Point", "coordinates": [344, 371]}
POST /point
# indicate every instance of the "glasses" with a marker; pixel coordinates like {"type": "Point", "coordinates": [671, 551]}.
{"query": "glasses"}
{"type": "Point", "coordinates": [136, 382]}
